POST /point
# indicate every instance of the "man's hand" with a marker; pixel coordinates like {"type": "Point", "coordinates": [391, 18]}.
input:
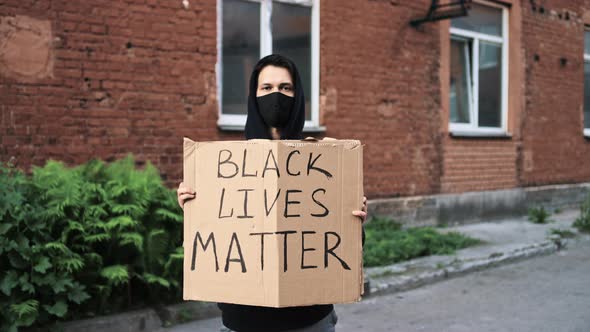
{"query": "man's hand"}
{"type": "Point", "coordinates": [362, 213]}
{"type": "Point", "coordinates": [184, 194]}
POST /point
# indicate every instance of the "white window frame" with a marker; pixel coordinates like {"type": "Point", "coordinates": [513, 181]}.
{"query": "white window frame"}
{"type": "Point", "coordinates": [472, 127]}
{"type": "Point", "coordinates": [238, 121]}
{"type": "Point", "coordinates": [586, 60]}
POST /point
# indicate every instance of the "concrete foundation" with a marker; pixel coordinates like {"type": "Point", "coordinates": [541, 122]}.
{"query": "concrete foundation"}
{"type": "Point", "coordinates": [474, 207]}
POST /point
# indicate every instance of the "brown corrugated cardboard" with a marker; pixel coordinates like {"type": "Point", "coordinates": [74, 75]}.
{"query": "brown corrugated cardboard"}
{"type": "Point", "coordinates": [272, 223]}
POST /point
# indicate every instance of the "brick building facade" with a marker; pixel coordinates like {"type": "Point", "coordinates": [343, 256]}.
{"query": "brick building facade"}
{"type": "Point", "coordinates": [80, 80]}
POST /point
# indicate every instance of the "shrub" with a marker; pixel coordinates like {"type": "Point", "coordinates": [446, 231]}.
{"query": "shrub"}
{"type": "Point", "coordinates": [84, 241]}
{"type": "Point", "coordinates": [582, 223]}
{"type": "Point", "coordinates": [539, 215]}
{"type": "Point", "coordinates": [387, 243]}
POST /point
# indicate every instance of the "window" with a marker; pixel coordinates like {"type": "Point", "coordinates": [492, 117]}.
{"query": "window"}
{"type": "Point", "coordinates": [587, 83]}
{"type": "Point", "coordinates": [252, 29]}
{"type": "Point", "coordinates": [478, 70]}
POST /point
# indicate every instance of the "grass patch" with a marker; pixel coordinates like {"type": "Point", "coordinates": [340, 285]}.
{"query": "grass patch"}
{"type": "Point", "coordinates": [387, 243]}
{"type": "Point", "coordinates": [538, 215]}
{"type": "Point", "coordinates": [185, 315]}
{"type": "Point", "coordinates": [563, 233]}
{"type": "Point", "coordinates": [582, 223]}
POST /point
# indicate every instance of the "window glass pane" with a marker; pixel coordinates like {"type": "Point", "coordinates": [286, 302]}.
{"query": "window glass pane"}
{"type": "Point", "coordinates": [460, 94]}
{"type": "Point", "coordinates": [483, 19]}
{"type": "Point", "coordinates": [587, 95]}
{"type": "Point", "coordinates": [587, 42]}
{"type": "Point", "coordinates": [291, 33]}
{"type": "Point", "coordinates": [241, 51]}
{"type": "Point", "coordinates": [490, 84]}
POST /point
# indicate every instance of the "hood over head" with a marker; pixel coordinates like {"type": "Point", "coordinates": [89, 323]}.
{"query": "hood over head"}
{"type": "Point", "coordinates": [255, 125]}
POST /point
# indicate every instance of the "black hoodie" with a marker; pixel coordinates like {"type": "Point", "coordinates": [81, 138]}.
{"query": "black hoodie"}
{"type": "Point", "coordinates": [243, 318]}
{"type": "Point", "coordinates": [255, 126]}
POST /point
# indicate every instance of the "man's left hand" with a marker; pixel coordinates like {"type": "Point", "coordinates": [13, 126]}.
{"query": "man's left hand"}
{"type": "Point", "coordinates": [362, 213]}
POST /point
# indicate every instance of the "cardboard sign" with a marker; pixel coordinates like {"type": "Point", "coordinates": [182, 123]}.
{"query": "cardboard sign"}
{"type": "Point", "coordinates": [272, 222]}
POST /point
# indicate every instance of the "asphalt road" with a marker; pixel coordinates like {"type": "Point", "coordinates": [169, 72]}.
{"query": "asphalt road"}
{"type": "Point", "coordinates": [550, 293]}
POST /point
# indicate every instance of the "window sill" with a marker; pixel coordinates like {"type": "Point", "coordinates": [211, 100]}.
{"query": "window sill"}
{"type": "Point", "coordinates": [314, 129]}
{"type": "Point", "coordinates": [227, 127]}
{"type": "Point", "coordinates": [479, 134]}
{"type": "Point", "coordinates": [587, 133]}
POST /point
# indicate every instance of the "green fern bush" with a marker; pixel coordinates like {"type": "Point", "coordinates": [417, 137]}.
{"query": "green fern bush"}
{"type": "Point", "coordinates": [85, 241]}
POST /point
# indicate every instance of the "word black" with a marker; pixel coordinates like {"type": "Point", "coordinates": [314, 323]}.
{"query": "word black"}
{"type": "Point", "coordinates": [227, 168]}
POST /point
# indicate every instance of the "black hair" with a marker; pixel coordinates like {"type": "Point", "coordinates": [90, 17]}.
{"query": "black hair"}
{"type": "Point", "coordinates": [276, 60]}
{"type": "Point", "coordinates": [255, 126]}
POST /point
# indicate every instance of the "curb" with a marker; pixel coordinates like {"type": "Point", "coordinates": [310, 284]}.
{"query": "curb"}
{"type": "Point", "coordinates": [456, 267]}
{"type": "Point", "coordinates": [188, 311]}
{"type": "Point", "coordinates": [139, 320]}
{"type": "Point", "coordinates": [150, 319]}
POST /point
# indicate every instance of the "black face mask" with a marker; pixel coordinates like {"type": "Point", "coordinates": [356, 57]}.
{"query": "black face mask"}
{"type": "Point", "coordinates": [275, 109]}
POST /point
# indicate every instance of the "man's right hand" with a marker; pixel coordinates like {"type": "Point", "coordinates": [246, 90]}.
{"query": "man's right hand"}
{"type": "Point", "coordinates": [184, 194]}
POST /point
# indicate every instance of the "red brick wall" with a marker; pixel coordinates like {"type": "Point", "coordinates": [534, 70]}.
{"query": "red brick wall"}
{"type": "Point", "coordinates": [474, 165]}
{"type": "Point", "coordinates": [379, 84]}
{"type": "Point", "coordinates": [545, 115]}
{"type": "Point", "coordinates": [135, 77]}
{"type": "Point", "coordinates": [554, 149]}
{"type": "Point", "coordinates": [127, 77]}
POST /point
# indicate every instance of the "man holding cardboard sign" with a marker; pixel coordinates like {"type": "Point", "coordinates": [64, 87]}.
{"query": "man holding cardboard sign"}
{"type": "Point", "coordinates": [271, 231]}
